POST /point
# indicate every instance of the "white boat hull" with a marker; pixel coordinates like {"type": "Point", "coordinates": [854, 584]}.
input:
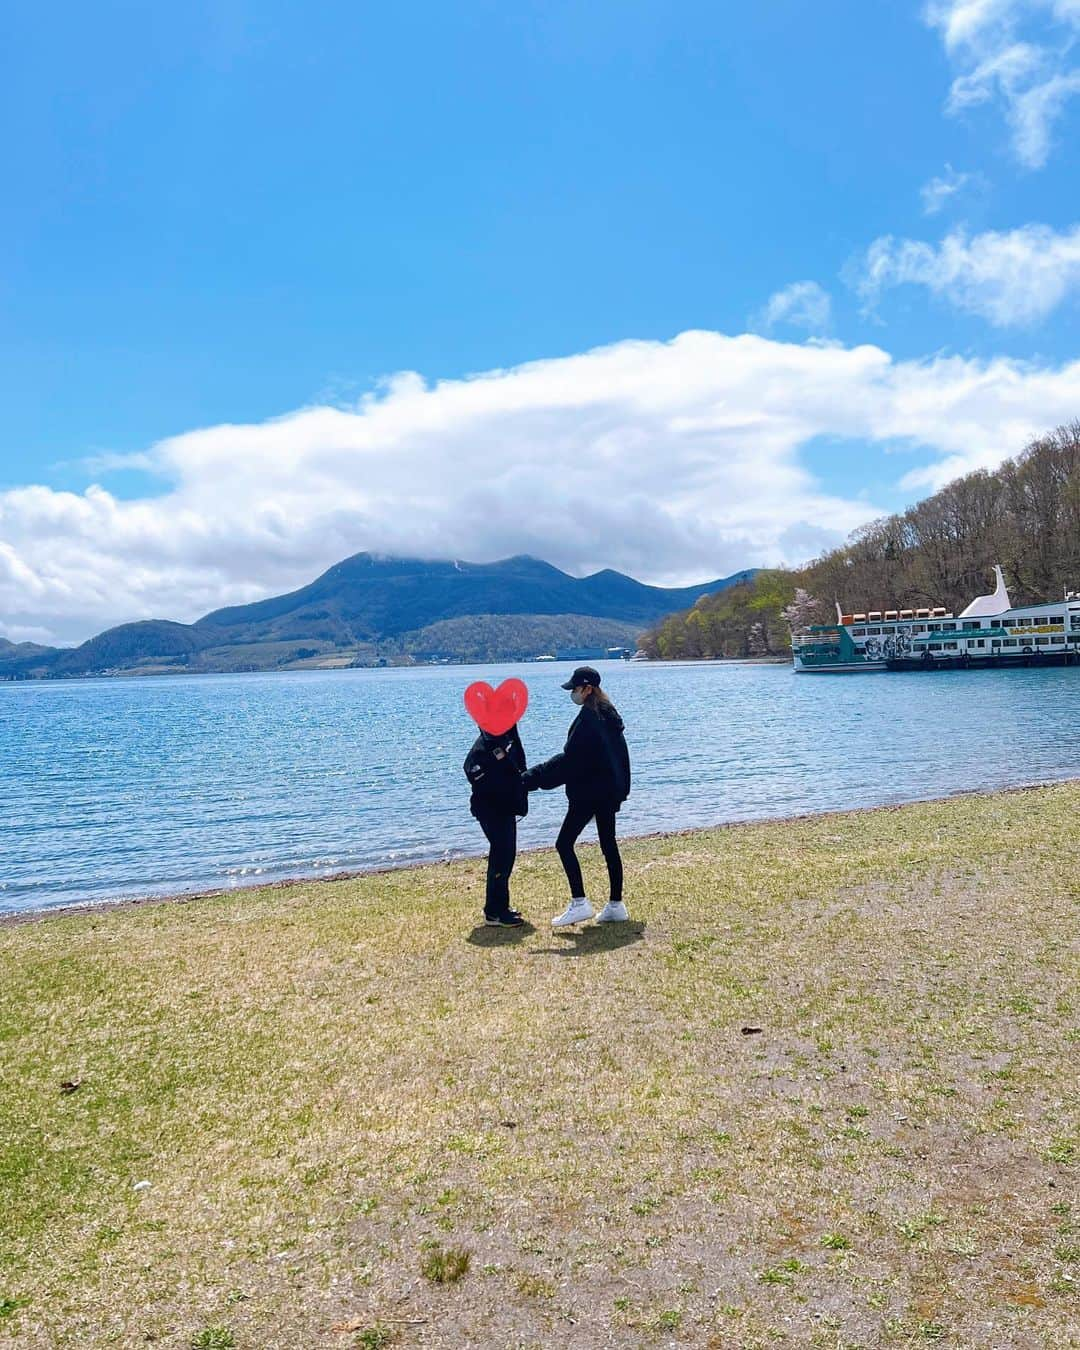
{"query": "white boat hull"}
{"type": "Point", "coordinates": [842, 668]}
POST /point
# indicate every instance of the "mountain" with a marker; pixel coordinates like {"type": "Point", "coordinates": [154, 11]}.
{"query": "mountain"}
{"type": "Point", "coordinates": [17, 658]}
{"type": "Point", "coordinates": [22, 649]}
{"type": "Point", "coordinates": [130, 643]}
{"type": "Point", "coordinates": [368, 609]}
{"type": "Point", "coordinates": [367, 598]}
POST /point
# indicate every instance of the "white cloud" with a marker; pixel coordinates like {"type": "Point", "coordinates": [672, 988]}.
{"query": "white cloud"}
{"type": "Point", "coordinates": [1009, 69]}
{"type": "Point", "coordinates": [803, 304]}
{"type": "Point", "coordinates": [965, 22]}
{"type": "Point", "coordinates": [1034, 113]}
{"type": "Point", "coordinates": [939, 191]}
{"type": "Point", "coordinates": [1014, 277]}
{"type": "Point", "coordinates": [1018, 51]}
{"type": "Point", "coordinates": [675, 461]}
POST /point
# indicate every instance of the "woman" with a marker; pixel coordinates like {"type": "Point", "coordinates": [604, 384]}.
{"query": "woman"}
{"type": "Point", "coordinates": [594, 766]}
{"type": "Point", "coordinates": [494, 768]}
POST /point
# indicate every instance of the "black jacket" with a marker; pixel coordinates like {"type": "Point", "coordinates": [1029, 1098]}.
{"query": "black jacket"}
{"type": "Point", "coordinates": [594, 764]}
{"type": "Point", "coordinates": [494, 767]}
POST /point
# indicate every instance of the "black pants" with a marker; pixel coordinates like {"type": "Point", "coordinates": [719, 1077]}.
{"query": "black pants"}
{"type": "Point", "coordinates": [501, 832]}
{"type": "Point", "coordinates": [578, 815]}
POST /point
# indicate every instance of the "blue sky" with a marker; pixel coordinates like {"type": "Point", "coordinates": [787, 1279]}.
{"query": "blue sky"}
{"type": "Point", "coordinates": [220, 214]}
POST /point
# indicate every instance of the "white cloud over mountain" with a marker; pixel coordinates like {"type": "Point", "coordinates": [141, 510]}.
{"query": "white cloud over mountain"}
{"type": "Point", "coordinates": [675, 461]}
{"type": "Point", "coordinates": [1018, 52]}
{"type": "Point", "coordinates": [1012, 277]}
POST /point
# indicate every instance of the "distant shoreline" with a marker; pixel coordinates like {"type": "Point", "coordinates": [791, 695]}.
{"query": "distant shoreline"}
{"type": "Point", "coordinates": [39, 914]}
{"type": "Point", "coordinates": [402, 665]}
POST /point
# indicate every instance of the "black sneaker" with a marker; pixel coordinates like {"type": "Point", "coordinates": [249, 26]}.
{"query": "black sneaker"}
{"type": "Point", "coordinates": [511, 919]}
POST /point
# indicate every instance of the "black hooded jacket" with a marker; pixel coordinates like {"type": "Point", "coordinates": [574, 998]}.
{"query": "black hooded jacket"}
{"type": "Point", "coordinates": [594, 765]}
{"type": "Point", "coordinates": [494, 767]}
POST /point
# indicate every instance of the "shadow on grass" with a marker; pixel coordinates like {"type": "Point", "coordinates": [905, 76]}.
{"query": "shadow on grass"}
{"type": "Point", "coordinates": [593, 938]}
{"type": "Point", "coordinates": [483, 936]}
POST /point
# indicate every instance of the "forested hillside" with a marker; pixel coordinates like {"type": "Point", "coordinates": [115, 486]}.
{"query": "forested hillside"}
{"type": "Point", "coordinates": [516, 637]}
{"type": "Point", "coordinates": [1024, 515]}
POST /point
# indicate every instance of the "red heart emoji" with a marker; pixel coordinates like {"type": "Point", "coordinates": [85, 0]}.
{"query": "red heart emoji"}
{"type": "Point", "coordinates": [497, 710]}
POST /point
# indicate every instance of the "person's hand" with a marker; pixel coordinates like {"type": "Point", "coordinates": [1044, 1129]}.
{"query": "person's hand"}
{"type": "Point", "coordinates": [528, 781]}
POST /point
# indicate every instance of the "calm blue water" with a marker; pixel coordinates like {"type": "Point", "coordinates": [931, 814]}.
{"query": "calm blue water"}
{"type": "Point", "coordinates": [153, 786]}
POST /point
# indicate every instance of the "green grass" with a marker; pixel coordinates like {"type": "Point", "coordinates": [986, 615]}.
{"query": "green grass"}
{"type": "Point", "coordinates": [213, 1338]}
{"type": "Point", "coordinates": [444, 1265]}
{"type": "Point", "coordinates": [340, 1093]}
{"type": "Point", "coordinates": [374, 1338]}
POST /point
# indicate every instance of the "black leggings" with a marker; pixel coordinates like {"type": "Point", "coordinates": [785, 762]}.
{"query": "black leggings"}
{"type": "Point", "coordinates": [501, 832]}
{"type": "Point", "coordinates": [578, 815]}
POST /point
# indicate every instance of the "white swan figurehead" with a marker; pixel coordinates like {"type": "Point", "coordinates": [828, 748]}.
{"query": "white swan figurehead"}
{"type": "Point", "coordinates": [985, 606]}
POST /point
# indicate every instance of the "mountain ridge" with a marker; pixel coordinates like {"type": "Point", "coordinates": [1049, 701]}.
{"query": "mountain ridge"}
{"type": "Point", "coordinates": [370, 608]}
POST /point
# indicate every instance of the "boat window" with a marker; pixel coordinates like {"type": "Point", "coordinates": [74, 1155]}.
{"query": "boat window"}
{"type": "Point", "coordinates": [1056, 618]}
{"type": "Point", "coordinates": [933, 627]}
{"type": "Point", "coordinates": [1009, 642]}
{"type": "Point", "coordinates": [921, 628]}
{"type": "Point", "coordinates": [972, 623]}
{"type": "Point", "coordinates": [948, 627]}
{"type": "Point", "coordinates": [995, 642]}
{"type": "Point", "coordinates": [934, 646]}
{"type": "Point", "coordinates": [858, 632]}
{"type": "Point", "coordinates": [1041, 641]}
{"type": "Point", "coordinates": [873, 632]}
{"type": "Point", "coordinates": [980, 643]}
{"type": "Point", "coordinates": [951, 645]}
{"type": "Point", "coordinates": [1057, 639]}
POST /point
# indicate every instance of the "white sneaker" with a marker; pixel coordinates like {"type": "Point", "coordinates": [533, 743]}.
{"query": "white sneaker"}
{"type": "Point", "coordinates": [613, 912]}
{"type": "Point", "coordinates": [577, 911]}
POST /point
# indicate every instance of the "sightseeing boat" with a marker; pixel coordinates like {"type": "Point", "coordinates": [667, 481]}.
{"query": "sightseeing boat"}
{"type": "Point", "coordinates": [990, 632]}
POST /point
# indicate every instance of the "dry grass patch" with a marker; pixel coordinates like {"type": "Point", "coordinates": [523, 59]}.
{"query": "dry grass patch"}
{"type": "Point", "coordinates": [822, 1091]}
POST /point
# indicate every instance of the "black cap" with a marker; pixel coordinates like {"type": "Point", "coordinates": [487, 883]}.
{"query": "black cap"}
{"type": "Point", "coordinates": [583, 675]}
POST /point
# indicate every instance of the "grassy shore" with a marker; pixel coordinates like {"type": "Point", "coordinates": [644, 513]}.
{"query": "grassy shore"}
{"type": "Point", "coordinates": [821, 1092]}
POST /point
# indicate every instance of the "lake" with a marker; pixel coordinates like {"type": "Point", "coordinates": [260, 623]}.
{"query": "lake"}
{"type": "Point", "coordinates": [123, 787]}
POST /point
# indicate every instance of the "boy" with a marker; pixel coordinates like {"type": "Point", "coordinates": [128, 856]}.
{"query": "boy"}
{"type": "Point", "coordinates": [494, 767]}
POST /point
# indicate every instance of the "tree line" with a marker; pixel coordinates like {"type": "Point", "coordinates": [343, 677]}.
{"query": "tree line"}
{"type": "Point", "coordinates": [1024, 515]}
